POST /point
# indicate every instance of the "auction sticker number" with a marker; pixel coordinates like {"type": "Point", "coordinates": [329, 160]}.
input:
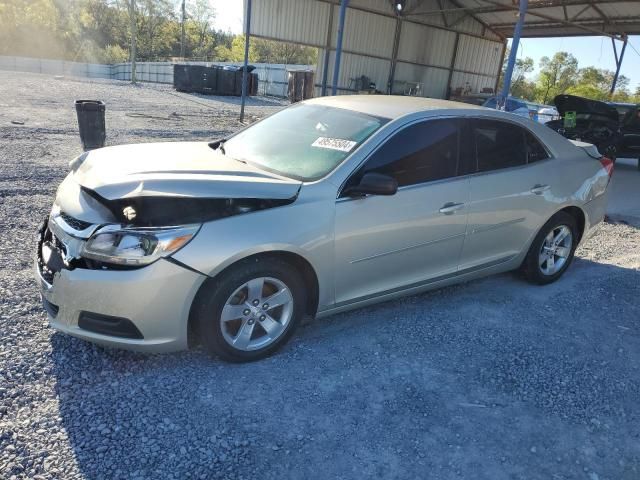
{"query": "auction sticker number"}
{"type": "Point", "coordinates": [334, 144]}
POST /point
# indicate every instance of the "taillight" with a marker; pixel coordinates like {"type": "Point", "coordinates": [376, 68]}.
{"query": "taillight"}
{"type": "Point", "coordinates": [607, 164]}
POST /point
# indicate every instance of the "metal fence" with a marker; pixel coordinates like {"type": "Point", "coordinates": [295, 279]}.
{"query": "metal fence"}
{"type": "Point", "coordinates": [273, 77]}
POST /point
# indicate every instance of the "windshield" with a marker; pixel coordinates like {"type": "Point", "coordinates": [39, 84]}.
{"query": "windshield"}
{"type": "Point", "coordinates": [304, 141]}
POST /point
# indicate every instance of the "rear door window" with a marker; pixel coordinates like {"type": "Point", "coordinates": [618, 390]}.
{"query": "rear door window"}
{"type": "Point", "coordinates": [497, 145]}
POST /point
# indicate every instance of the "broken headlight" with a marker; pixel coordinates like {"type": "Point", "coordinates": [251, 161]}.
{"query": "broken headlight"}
{"type": "Point", "coordinates": [136, 246]}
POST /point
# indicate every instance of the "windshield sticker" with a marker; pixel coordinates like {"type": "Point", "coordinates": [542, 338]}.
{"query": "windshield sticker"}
{"type": "Point", "coordinates": [334, 144]}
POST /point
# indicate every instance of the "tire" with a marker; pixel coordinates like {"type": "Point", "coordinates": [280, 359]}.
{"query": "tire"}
{"type": "Point", "coordinates": [246, 338]}
{"type": "Point", "coordinates": [539, 272]}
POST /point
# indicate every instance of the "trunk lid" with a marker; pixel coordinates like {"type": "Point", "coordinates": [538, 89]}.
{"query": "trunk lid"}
{"type": "Point", "coordinates": [589, 148]}
{"type": "Point", "coordinates": [583, 106]}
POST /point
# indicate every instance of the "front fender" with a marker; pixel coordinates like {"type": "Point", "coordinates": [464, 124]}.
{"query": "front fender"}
{"type": "Point", "coordinates": [304, 228]}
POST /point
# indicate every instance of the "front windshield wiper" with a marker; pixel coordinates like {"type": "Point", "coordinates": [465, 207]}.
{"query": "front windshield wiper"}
{"type": "Point", "coordinates": [218, 145]}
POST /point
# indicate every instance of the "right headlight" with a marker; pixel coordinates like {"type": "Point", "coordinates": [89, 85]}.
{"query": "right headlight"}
{"type": "Point", "coordinates": [136, 246]}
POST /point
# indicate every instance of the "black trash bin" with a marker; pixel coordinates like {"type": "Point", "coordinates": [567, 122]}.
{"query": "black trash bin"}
{"type": "Point", "coordinates": [91, 123]}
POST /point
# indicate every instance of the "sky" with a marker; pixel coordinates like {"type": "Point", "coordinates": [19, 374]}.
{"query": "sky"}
{"type": "Point", "coordinates": [228, 15]}
{"type": "Point", "coordinates": [590, 51]}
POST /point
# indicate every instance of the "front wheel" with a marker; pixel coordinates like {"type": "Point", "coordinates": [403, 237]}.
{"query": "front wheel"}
{"type": "Point", "coordinates": [251, 310]}
{"type": "Point", "coordinates": [552, 250]}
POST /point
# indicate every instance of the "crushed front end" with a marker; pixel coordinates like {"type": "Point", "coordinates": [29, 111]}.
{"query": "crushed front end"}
{"type": "Point", "coordinates": [144, 309]}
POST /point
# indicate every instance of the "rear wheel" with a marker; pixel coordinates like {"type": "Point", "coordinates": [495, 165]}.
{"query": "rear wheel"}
{"type": "Point", "coordinates": [251, 310]}
{"type": "Point", "coordinates": [552, 250]}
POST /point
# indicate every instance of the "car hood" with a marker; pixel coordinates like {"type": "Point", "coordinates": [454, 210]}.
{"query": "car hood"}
{"type": "Point", "coordinates": [571, 103]}
{"type": "Point", "coordinates": [178, 169]}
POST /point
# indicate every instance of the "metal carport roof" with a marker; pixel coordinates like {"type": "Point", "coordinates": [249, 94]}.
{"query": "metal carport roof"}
{"type": "Point", "coordinates": [306, 21]}
{"type": "Point", "coordinates": [546, 18]}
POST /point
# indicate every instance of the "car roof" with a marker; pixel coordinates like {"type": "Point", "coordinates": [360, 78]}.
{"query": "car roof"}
{"type": "Point", "coordinates": [390, 106]}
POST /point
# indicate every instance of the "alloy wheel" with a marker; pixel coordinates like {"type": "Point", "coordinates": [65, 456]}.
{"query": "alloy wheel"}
{"type": "Point", "coordinates": [555, 250]}
{"type": "Point", "coordinates": [256, 314]}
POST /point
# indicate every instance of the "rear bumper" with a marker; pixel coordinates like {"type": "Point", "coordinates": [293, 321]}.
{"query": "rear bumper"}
{"type": "Point", "coordinates": [595, 211]}
{"type": "Point", "coordinates": [155, 300]}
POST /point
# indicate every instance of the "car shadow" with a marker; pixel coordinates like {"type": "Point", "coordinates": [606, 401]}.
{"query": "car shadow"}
{"type": "Point", "coordinates": [382, 391]}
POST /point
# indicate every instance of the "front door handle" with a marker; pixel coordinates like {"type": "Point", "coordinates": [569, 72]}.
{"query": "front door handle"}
{"type": "Point", "coordinates": [451, 207]}
{"type": "Point", "coordinates": [540, 189]}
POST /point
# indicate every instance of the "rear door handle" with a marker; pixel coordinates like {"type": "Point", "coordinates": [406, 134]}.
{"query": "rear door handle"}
{"type": "Point", "coordinates": [451, 207]}
{"type": "Point", "coordinates": [540, 189]}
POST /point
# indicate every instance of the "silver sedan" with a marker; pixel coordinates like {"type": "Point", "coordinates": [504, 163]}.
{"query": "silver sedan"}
{"type": "Point", "coordinates": [327, 205]}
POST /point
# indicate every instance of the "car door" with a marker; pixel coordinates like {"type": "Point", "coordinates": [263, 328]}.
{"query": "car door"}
{"type": "Point", "coordinates": [384, 243]}
{"type": "Point", "coordinates": [510, 190]}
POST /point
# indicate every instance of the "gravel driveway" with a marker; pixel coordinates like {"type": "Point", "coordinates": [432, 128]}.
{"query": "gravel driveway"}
{"type": "Point", "coordinates": [493, 379]}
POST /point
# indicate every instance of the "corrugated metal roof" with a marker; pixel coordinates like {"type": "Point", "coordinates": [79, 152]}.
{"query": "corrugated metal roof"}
{"type": "Point", "coordinates": [556, 18]}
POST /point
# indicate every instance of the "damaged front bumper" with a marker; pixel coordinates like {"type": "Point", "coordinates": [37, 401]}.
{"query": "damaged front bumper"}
{"type": "Point", "coordinates": [144, 309]}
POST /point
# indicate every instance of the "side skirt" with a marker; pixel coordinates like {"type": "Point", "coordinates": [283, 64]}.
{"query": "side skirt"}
{"type": "Point", "coordinates": [497, 266]}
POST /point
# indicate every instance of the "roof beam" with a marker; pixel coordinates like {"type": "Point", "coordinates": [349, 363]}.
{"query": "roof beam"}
{"type": "Point", "coordinates": [593, 23]}
{"type": "Point", "coordinates": [599, 11]}
{"type": "Point", "coordinates": [582, 10]}
{"type": "Point", "coordinates": [479, 20]}
{"type": "Point", "coordinates": [580, 26]}
{"type": "Point", "coordinates": [459, 19]}
{"type": "Point", "coordinates": [444, 15]}
{"type": "Point", "coordinates": [493, 8]}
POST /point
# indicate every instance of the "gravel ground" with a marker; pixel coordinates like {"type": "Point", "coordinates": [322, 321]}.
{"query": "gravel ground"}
{"type": "Point", "coordinates": [491, 379]}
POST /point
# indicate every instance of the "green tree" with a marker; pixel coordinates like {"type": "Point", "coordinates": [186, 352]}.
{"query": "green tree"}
{"type": "Point", "coordinates": [158, 29]}
{"type": "Point", "coordinates": [595, 83]}
{"type": "Point", "coordinates": [28, 26]}
{"type": "Point", "coordinates": [201, 40]}
{"type": "Point", "coordinates": [520, 86]}
{"type": "Point", "coordinates": [235, 53]}
{"type": "Point", "coordinates": [270, 51]}
{"type": "Point", "coordinates": [557, 75]}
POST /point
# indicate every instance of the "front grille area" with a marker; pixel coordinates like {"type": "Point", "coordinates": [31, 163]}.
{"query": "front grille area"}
{"type": "Point", "coordinates": [75, 223]}
{"type": "Point", "coordinates": [54, 263]}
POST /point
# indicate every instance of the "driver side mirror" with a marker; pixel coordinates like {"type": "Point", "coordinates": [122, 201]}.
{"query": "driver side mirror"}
{"type": "Point", "coordinates": [373, 184]}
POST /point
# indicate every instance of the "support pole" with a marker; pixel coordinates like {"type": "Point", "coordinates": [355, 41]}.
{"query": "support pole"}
{"type": "Point", "coordinates": [133, 30]}
{"type": "Point", "coordinates": [394, 57]}
{"type": "Point", "coordinates": [336, 67]}
{"type": "Point", "coordinates": [182, 30]}
{"type": "Point", "coordinates": [327, 53]}
{"type": "Point", "coordinates": [452, 65]}
{"type": "Point", "coordinates": [504, 51]}
{"type": "Point", "coordinates": [513, 54]}
{"type": "Point", "coordinates": [245, 74]}
{"type": "Point", "coordinates": [618, 64]}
